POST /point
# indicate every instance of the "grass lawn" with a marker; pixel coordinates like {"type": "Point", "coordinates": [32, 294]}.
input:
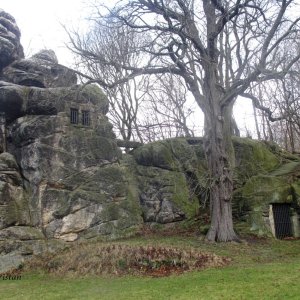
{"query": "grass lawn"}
{"type": "Point", "coordinates": [260, 269]}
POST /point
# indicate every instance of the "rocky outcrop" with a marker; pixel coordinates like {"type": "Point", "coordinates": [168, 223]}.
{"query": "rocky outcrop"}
{"type": "Point", "coordinates": [169, 176]}
{"type": "Point", "coordinates": [174, 185]}
{"type": "Point", "coordinates": [17, 101]}
{"type": "Point", "coordinates": [254, 200]}
{"type": "Point", "coordinates": [76, 187]}
{"type": "Point", "coordinates": [19, 243]}
{"type": "Point", "coordinates": [41, 70]}
{"type": "Point", "coordinates": [10, 47]}
{"type": "Point", "coordinates": [63, 177]}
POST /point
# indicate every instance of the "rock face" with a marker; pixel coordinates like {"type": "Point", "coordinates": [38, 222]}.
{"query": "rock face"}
{"type": "Point", "coordinates": [173, 183]}
{"type": "Point", "coordinates": [10, 47]}
{"type": "Point", "coordinates": [13, 206]}
{"type": "Point", "coordinates": [41, 70]}
{"type": "Point", "coordinates": [169, 175]}
{"type": "Point", "coordinates": [60, 173]}
{"type": "Point", "coordinates": [71, 173]}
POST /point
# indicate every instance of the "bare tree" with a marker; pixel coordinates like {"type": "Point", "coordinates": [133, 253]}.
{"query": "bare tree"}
{"type": "Point", "coordinates": [280, 99]}
{"type": "Point", "coordinates": [166, 111]}
{"type": "Point", "coordinates": [116, 44]}
{"type": "Point", "coordinates": [166, 99]}
{"type": "Point", "coordinates": [190, 39]}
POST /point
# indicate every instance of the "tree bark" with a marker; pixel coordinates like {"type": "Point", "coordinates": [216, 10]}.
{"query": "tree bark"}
{"type": "Point", "coordinates": [219, 153]}
{"type": "Point", "coordinates": [220, 158]}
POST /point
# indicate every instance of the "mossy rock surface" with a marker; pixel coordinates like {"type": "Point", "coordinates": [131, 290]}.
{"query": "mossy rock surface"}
{"type": "Point", "coordinates": [163, 171]}
{"type": "Point", "coordinates": [267, 189]}
{"type": "Point", "coordinates": [296, 191]}
{"type": "Point", "coordinates": [156, 154]}
{"type": "Point", "coordinates": [21, 233]}
{"type": "Point", "coordinates": [252, 158]}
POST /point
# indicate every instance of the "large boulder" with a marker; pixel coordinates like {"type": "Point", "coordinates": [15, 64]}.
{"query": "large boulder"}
{"type": "Point", "coordinates": [17, 101]}
{"type": "Point", "coordinates": [253, 158]}
{"type": "Point", "coordinates": [171, 180]}
{"type": "Point", "coordinates": [77, 185]}
{"type": "Point", "coordinates": [20, 243]}
{"type": "Point", "coordinates": [41, 70]}
{"type": "Point", "coordinates": [174, 184]}
{"type": "Point", "coordinates": [10, 47]}
{"type": "Point", "coordinates": [254, 200]}
{"type": "Point", "coordinates": [62, 177]}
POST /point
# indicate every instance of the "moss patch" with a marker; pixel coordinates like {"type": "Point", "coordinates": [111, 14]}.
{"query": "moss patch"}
{"type": "Point", "coordinates": [252, 158]}
{"type": "Point", "coordinates": [189, 204]}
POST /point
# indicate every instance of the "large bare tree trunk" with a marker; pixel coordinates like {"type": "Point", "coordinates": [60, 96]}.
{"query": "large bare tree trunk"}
{"type": "Point", "coordinates": [220, 158]}
{"type": "Point", "coordinates": [218, 150]}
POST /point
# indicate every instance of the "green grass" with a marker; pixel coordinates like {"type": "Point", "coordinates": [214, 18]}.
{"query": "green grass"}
{"type": "Point", "coordinates": [261, 269]}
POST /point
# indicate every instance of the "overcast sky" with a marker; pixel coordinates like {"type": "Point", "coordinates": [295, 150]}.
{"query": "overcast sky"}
{"type": "Point", "coordinates": [40, 24]}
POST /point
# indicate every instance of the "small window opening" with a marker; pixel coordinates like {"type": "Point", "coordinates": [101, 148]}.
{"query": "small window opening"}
{"type": "Point", "coordinates": [74, 116]}
{"type": "Point", "coordinates": [85, 118]}
{"type": "Point", "coordinates": [282, 220]}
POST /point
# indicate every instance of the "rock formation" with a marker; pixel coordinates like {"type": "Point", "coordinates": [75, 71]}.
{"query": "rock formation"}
{"type": "Point", "coordinates": [63, 177]}
{"type": "Point", "coordinates": [10, 47]}
{"type": "Point", "coordinates": [60, 175]}
{"type": "Point", "coordinates": [41, 70]}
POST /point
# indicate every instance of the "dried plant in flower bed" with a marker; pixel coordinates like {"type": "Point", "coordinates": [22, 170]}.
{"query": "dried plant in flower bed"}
{"type": "Point", "coordinates": [122, 259]}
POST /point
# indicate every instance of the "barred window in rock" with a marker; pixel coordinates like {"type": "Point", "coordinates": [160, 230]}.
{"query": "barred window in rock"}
{"type": "Point", "coordinates": [74, 116]}
{"type": "Point", "coordinates": [85, 118]}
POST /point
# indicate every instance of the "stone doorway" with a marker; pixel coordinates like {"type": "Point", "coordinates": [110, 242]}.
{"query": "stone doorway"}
{"type": "Point", "coordinates": [280, 219]}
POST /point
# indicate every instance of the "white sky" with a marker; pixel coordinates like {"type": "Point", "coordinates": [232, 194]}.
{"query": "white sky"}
{"type": "Point", "coordinates": [40, 24]}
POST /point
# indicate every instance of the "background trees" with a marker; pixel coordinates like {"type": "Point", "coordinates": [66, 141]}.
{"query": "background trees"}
{"type": "Point", "coordinates": [278, 121]}
{"type": "Point", "coordinates": [141, 109]}
{"type": "Point", "coordinates": [168, 109]}
{"type": "Point", "coordinates": [220, 50]}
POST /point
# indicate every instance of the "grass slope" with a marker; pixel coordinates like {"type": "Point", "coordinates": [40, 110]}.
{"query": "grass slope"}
{"type": "Point", "coordinates": [261, 269]}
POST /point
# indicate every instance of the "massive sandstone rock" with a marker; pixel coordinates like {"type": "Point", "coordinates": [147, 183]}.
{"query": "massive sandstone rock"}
{"type": "Point", "coordinates": [17, 101]}
{"type": "Point", "coordinates": [174, 185]}
{"type": "Point", "coordinates": [77, 186]}
{"type": "Point", "coordinates": [10, 47]}
{"type": "Point", "coordinates": [169, 176]}
{"type": "Point", "coordinates": [41, 70]}
{"type": "Point", "coordinates": [61, 178]}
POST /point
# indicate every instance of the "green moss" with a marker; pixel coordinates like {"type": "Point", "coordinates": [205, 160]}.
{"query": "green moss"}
{"type": "Point", "coordinates": [252, 158]}
{"type": "Point", "coordinates": [62, 201]}
{"type": "Point", "coordinates": [183, 152]}
{"type": "Point", "coordinates": [156, 154]}
{"type": "Point", "coordinates": [110, 212]}
{"type": "Point", "coordinates": [287, 169]}
{"type": "Point", "coordinates": [99, 147]}
{"type": "Point", "coordinates": [131, 205]}
{"type": "Point", "coordinates": [108, 180]}
{"type": "Point", "coordinates": [90, 196]}
{"type": "Point", "coordinates": [296, 191]}
{"type": "Point", "coordinates": [256, 196]}
{"type": "Point", "coordinates": [7, 161]}
{"type": "Point", "coordinates": [21, 205]}
{"type": "Point", "coordinates": [266, 188]}
{"type": "Point", "coordinates": [189, 205]}
{"type": "Point", "coordinates": [93, 91]}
